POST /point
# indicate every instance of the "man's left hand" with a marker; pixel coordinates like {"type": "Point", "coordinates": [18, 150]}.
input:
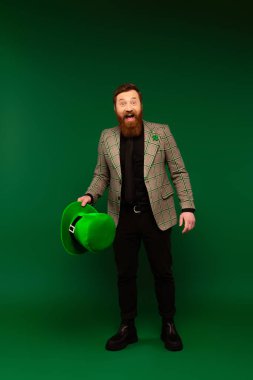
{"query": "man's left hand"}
{"type": "Point", "coordinates": [189, 221]}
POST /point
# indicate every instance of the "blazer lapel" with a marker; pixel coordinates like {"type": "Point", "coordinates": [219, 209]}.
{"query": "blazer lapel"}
{"type": "Point", "coordinates": [113, 147]}
{"type": "Point", "coordinates": [151, 145]}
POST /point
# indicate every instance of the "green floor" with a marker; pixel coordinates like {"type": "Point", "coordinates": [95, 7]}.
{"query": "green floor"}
{"type": "Point", "coordinates": [54, 341]}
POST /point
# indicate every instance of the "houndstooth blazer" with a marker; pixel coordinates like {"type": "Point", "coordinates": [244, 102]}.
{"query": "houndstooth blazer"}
{"type": "Point", "coordinates": [160, 149]}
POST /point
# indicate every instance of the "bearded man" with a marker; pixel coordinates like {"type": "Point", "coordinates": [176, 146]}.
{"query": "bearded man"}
{"type": "Point", "coordinates": [132, 160]}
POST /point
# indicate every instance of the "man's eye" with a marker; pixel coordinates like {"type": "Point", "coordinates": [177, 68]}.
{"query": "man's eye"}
{"type": "Point", "coordinates": [133, 102]}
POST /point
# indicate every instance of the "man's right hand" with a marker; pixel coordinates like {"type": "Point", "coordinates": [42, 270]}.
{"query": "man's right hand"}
{"type": "Point", "coordinates": [84, 199]}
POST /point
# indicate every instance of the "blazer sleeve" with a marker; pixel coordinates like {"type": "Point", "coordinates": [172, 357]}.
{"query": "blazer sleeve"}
{"type": "Point", "coordinates": [178, 172]}
{"type": "Point", "coordinates": [101, 177]}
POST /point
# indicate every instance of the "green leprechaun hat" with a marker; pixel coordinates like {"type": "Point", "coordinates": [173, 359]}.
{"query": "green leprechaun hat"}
{"type": "Point", "coordinates": [85, 229]}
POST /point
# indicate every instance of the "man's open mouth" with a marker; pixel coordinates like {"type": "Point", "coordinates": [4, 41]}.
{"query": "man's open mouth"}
{"type": "Point", "coordinates": [129, 116]}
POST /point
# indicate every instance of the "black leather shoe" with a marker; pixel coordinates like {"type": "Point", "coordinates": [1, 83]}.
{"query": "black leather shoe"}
{"type": "Point", "coordinates": [171, 338]}
{"type": "Point", "coordinates": [125, 335]}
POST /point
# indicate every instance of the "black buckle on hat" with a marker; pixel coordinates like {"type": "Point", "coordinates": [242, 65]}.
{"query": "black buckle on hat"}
{"type": "Point", "coordinates": [73, 225]}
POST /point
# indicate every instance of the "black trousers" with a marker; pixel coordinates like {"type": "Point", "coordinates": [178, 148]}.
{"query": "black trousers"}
{"type": "Point", "coordinates": [131, 230]}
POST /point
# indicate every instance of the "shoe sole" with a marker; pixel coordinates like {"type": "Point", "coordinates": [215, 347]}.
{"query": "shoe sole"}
{"type": "Point", "coordinates": [118, 348]}
{"type": "Point", "coordinates": [178, 347]}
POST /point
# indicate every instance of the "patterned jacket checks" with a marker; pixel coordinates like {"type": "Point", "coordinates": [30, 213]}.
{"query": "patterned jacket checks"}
{"type": "Point", "coordinates": [159, 149]}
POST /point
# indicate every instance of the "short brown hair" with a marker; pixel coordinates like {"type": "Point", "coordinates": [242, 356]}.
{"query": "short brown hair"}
{"type": "Point", "coordinates": [126, 87]}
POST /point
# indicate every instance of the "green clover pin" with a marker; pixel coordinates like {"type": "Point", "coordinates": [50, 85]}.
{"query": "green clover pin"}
{"type": "Point", "coordinates": [155, 137]}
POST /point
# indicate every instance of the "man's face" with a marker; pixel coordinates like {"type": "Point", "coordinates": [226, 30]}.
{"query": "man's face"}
{"type": "Point", "coordinates": [128, 109]}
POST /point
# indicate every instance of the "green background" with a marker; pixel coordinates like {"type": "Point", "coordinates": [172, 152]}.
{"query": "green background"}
{"type": "Point", "coordinates": [60, 62]}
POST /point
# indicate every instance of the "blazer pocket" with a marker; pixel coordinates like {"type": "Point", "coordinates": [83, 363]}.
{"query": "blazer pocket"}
{"type": "Point", "coordinates": [167, 191]}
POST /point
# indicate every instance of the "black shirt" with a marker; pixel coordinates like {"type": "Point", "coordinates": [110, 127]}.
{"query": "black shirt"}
{"type": "Point", "coordinates": [141, 194]}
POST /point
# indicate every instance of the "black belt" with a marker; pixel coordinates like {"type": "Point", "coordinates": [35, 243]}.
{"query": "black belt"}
{"type": "Point", "coordinates": [137, 208]}
{"type": "Point", "coordinates": [75, 242]}
{"type": "Point", "coordinates": [73, 225]}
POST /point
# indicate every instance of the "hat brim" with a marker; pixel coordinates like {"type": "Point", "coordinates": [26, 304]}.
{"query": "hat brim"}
{"type": "Point", "coordinates": [71, 212]}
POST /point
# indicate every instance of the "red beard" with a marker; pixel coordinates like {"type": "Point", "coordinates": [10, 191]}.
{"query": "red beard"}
{"type": "Point", "coordinates": [131, 128]}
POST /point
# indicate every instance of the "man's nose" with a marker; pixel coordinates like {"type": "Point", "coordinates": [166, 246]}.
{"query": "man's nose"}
{"type": "Point", "coordinates": [129, 107]}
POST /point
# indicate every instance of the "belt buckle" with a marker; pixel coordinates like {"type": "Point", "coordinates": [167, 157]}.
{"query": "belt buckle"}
{"type": "Point", "coordinates": [136, 211]}
{"type": "Point", "coordinates": [72, 229]}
